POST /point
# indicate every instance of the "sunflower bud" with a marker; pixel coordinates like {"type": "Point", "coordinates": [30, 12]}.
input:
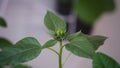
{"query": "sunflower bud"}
{"type": "Point", "coordinates": [60, 34]}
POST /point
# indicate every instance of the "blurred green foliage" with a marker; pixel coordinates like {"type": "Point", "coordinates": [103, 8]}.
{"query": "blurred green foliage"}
{"type": "Point", "coordinates": [90, 10]}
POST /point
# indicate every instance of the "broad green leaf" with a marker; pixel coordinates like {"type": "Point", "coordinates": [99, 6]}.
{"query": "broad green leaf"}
{"type": "Point", "coordinates": [5, 43]}
{"type": "Point", "coordinates": [21, 66]}
{"type": "Point", "coordinates": [49, 43]}
{"type": "Point", "coordinates": [90, 10]}
{"type": "Point", "coordinates": [23, 51]}
{"type": "Point", "coordinates": [104, 61]}
{"type": "Point", "coordinates": [2, 22]}
{"type": "Point", "coordinates": [84, 45]}
{"type": "Point", "coordinates": [80, 46]}
{"type": "Point", "coordinates": [53, 22]}
{"type": "Point", "coordinates": [95, 40]}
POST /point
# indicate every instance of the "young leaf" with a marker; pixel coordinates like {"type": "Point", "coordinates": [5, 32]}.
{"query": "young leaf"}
{"type": "Point", "coordinates": [2, 22]}
{"type": "Point", "coordinates": [80, 46]}
{"type": "Point", "coordinates": [49, 43]}
{"type": "Point", "coordinates": [24, 50]}
{"type": "Point", "coordinates": [53, 22]}
{"type": "Point", "coordinates": [101, 60]}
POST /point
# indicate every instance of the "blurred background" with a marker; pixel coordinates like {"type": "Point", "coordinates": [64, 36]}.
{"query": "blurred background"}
{"type": "Point", "coordinates": [26, 18]}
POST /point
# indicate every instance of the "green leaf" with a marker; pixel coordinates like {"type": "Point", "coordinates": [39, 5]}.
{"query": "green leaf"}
{"type": "Point", "coordinates": [23, 51]}
{"type": "Point", "coordinates": [5, 43]}
{"type": "Point", "coordinates": [49, 43]}
{"type": "Point", "coordinates": [95, 40]}
{"type": "Point", "coordinates": [53, 22]}
{"type": "Point", "coordinates": [73, 36]}
{"type": "Point", "coordinates": [90, 10]}
{"type": "Point", "coordinates": [80, 46]}
{"type": "Point", "coordinates": [104, 61]}
{"type": "Point", "coordinates": [84, 45]}
{"type": "Point", "coordinates": [2, 22]}
{"type": "Point", "coordinates": [21, 66]}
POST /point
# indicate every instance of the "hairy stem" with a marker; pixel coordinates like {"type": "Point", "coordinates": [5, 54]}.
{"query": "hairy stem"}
{"type": "Point", "coordinates": [60, 55]}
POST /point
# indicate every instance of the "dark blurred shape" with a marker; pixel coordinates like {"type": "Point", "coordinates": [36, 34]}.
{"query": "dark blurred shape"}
{"type": "Point", "coordinates": [64, 6]}
{"type": "Point", "coordinates": [2, 22]}
{"type": "Point", "coordinates": [81, 26]}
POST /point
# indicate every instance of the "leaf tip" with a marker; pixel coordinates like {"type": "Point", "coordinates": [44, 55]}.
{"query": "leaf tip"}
{"type": "Point", "coordinates": [3, 22]}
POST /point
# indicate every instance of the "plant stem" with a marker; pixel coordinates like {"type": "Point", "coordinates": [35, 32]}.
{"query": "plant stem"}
{"type": "Point", "coordinates": [60, 55]}
{"type": "Point", "coordinates": [54, 51]}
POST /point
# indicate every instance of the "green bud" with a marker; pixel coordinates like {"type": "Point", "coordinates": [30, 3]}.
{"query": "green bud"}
{"type": "Point", "coordinates": [60, 34]}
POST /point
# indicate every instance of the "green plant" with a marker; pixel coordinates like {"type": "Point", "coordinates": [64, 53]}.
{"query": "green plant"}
{"type": "Point", "coordinates": [79, 44]}
{"type": "Point", "coordinates": [87, 11]}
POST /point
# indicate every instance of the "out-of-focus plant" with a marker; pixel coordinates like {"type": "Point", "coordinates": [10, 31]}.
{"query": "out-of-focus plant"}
{"type": "Point", "coordinates": [79, 44]}
{"type": "Point", "coordinates": [90, 10]}
{"type": "Point", "coordinates": [87, 10]}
